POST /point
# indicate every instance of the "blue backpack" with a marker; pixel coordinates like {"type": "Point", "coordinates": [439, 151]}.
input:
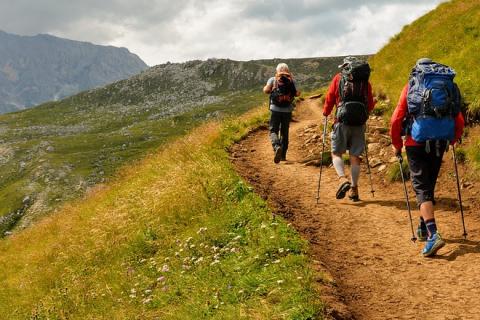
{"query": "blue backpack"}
{"type": "Point", "coordinates": [433, 102]}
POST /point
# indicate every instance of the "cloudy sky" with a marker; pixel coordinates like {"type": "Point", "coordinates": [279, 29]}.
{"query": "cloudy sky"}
{"type": "Point", "coordinates": [179, 30]}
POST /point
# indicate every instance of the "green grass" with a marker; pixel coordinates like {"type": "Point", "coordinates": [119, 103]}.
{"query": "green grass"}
{"type": "Point", "coordinates": [394, 173]}
{"type": "Point", "coordinates": [177, 236]}
{"type": "Point", "coordinates": [61, 149]}
{"type": "Point", "coordinates": [449, 34]}
{"type": "Point", "coordinates": [81, 159]}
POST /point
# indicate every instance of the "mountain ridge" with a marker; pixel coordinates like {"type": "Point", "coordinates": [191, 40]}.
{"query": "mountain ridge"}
{"type": "Point", "coordinates": [36, 69]}
{"type": "Point", "coordinates": [53, 159]}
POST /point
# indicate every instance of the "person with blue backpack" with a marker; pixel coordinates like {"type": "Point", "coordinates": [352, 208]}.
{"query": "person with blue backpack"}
{"type": "Point", "coordinates": [428, 116]}
{"type": "Point", "coordinates": [282, 91]}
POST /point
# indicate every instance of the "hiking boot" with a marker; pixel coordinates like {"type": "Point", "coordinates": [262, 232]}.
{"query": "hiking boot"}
{"type": "Point", "coordinates": [433, 245]}
{"type": "Point", "coordinates": [278, 154]}
{"type": "Point", "coordinates": [343, 188]}
{"type": "Point", "coordinates": [422, 234]}
{"type": "Point", "coordinates": [353, 195]}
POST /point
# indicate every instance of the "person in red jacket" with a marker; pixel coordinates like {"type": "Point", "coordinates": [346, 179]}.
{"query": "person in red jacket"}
{"type": "Point", "coordinates": [344, 136]}
{"type": "Point", "coordinates": [424, 165]}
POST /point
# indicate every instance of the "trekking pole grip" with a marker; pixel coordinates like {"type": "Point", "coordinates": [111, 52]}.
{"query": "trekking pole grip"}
{"type": "Point", "coordinates": [399, 157]}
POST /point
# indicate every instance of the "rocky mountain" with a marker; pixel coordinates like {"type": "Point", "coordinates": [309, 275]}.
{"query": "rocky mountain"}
{"type": "Point", "coordinates": [35, 69]}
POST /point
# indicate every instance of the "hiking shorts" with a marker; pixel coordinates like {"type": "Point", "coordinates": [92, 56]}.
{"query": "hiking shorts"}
{"type": "Point", "coordinates": [351, 138]}
{"type": "Point", "coordinates": [424, 169]}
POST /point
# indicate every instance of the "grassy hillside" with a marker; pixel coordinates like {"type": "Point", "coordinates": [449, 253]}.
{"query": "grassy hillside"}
{"type": "Point", "coordinates": [56, 151]}
{"type": "Point", "coordinates": [177, 236]}
{"type": "Point", "coordinates": [450, 34]}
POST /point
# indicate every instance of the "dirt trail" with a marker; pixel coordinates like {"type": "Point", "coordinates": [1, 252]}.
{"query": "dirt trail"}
{"type": "Point", "coordinates": [378, 273]}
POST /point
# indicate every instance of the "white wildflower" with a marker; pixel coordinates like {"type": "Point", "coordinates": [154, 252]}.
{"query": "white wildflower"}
{"type": "Point", "coordinates": [214, 262]}
{"type": "Point", "coordinates": [201, 230]}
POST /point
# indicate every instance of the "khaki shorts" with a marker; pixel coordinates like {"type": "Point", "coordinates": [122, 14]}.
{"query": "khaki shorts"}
{"type": "Point", "coordinates": [351, 138]}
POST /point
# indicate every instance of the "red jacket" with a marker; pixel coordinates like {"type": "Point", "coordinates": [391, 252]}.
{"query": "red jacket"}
{"type": "Point", "coordinates": [333, 96]}
{"type": "Point", "coordinates": [397, 121]}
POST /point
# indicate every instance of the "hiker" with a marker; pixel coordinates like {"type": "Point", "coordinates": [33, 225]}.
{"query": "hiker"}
{"type": "Point", "coordinates": [428, 115]}
{"type": "Point", "coordinates": [282, 91]}
{"type": "Point", "coordinates": [351, 93]}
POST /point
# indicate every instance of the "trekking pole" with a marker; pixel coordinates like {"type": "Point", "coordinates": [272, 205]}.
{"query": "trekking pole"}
{"type": "Point", "coordinates": [458, 191]}
{"type": "Point", "coordinates": [400, 162]}
{"type": "Point", "coordinates": [369, 172]}
{"type": "Point", "coordinates": [321, 157]}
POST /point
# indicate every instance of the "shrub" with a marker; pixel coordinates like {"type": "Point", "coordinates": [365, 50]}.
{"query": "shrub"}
{"type": "Point", "coordinates": [461, 155]}
{"type": "Point", "coordinates": [394, 175]}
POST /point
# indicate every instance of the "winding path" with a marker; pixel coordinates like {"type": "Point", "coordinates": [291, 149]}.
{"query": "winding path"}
{"type": "Point", "coordinates": [373, 269]}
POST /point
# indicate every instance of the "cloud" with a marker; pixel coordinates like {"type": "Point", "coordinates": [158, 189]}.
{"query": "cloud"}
{"type": "Point", "coordinates": [165, 30]}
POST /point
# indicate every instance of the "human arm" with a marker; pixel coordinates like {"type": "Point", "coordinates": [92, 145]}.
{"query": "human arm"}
{"type": "Point", "coordinates": [331, 96]}
{"type": "Point", "coordinates": [396, 122]}
{"type": "Point", "coordinates": [267, 89]}
{"type": "Point", "coordinates": [370, 101]}
{"type": "Point", "coordinates": [459, 125]}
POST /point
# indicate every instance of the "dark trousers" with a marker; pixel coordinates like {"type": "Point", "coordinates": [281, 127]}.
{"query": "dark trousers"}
{"type": "Point", "coordinates": [424, 168]}
{"type": "Point", "coordinates": [279, 125]}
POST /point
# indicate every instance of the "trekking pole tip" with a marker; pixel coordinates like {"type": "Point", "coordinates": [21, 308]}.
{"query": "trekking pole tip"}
{"type": "Point", "coordinates": [414, 239]}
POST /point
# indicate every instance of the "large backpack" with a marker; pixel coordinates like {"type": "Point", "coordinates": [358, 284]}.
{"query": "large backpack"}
{"type": "Point", "coordinates": [353, 89]}
{"type": "Point", "coordinates": [283, 91]}
{"type": "Point", "coordinates": [433, 102]}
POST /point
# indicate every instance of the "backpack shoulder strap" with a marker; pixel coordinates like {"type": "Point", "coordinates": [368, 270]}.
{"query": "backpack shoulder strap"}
{"type": "Point", "coordinates": [341, 87]}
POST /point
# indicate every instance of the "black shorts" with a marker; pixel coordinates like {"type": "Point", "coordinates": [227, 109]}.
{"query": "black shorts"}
{"type": "Point", "coordinates": [424, 169]}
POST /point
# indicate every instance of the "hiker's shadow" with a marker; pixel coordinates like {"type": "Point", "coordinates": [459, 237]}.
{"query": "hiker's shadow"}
{"type": "Point", "coordinates": [446, 204]}
{"type": "Point", "coordinates": [464, 247]}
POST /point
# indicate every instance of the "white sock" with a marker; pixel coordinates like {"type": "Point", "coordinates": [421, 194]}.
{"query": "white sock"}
{"type": "Point", "coordinates": [355, 169]}
{"type": "Point", "coordinates": [338, 165]}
